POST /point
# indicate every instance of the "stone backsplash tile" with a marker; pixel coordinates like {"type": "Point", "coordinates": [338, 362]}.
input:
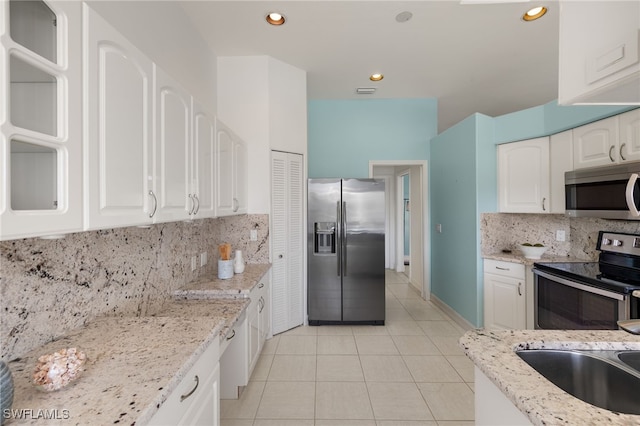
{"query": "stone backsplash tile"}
{"type": "Point", "coordinates": [508, 230]}
{"type": "Point", "coordinates": [49, 287]}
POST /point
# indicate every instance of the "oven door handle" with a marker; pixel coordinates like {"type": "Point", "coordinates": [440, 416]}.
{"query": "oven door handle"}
{"type": "Point", "coordinates": [579, 286]}
{"type": "Point", "coordinates": [631, 202]}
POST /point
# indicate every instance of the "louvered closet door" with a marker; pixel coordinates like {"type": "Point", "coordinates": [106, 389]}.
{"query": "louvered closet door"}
{"type": "Point", "coordinates": [287, 288]}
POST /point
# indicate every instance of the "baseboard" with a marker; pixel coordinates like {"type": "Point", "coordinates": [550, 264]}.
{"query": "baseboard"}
{"type": "Point", "coordinates": [456, 317]}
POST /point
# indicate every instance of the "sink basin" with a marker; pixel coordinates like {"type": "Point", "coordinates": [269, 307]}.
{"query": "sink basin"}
{"type": "Point", "coordinates": [596, 377]}
{"type": "Point", "coordinates": [631, 358]}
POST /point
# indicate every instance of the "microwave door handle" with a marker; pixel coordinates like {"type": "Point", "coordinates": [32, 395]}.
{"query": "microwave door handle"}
{"type": "Point", "coordinates": [631, 202]}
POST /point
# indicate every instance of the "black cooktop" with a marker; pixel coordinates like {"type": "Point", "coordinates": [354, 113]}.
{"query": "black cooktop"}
{"type": "Point", "coordinates": [597, 274]}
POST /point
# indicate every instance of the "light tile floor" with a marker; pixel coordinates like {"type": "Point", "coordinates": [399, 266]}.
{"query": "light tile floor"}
{"type": "Point", "coordinates": [408, 372]}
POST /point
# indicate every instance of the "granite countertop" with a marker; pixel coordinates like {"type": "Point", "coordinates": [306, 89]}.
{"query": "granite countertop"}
{"type": "Point", "coordinates": [132, 366]}
{"type": "Point", "coordinates": [518, 257]}
{"type": "Point", "coordinates": [134, 363]}
{"type": "Point", "coordinates": [492, 351]}
{"type": "Point", "coordinates": [229, 310]}
{"type": "Point", "coordinates": [240, 285]}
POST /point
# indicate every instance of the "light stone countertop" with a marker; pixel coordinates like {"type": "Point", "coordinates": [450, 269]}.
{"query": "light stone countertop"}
{"type": "Point", "coordinates": [240, 285]}
{"type": "Point", "coordinates": [493, 352]}
{"type": "Point", "coordinates": [134, 363]}
{"type": "Point", "coordinates": [132, 366]}
{"type": "Point", "coordinates": [228, 309]}
{"type": "Point", "coordinates": [518, 257]}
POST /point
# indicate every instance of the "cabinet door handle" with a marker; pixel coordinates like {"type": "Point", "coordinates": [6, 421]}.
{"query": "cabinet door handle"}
{"type": "Point", "coordinates": [193, 204]}
{"type": "Point", "coordinates": [622, 156]}
{"type": "Point", "coordinates": [261, 304]}
{"type": "Point", "coordinates": [610, 156]}
{"type": "Point", "coordinates": [155, 203]}
{"type": "Point", "coordinates": [236, 205]}
{"type": "Point", "coordinates": [519, 289]}
{"type": "Point", "coordinates": [260, 285]}
{"type": "Point", "coordinates": [233, 334]}
{"type": "Point", "coordinates": [195, 196]}
{"type": "Point", "coordinates": [187, 395]}
{"type": "Point", "coordinates": [544, 209]}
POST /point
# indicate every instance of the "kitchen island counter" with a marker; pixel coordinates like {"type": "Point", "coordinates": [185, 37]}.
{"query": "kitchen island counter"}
{"type": "Point", "coordinates": [543, 403]}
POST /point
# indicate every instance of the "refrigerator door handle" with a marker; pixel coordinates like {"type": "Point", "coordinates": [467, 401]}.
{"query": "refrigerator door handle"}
{"type": "Point", "coordinates": [343, 240]}
{"type": "Point", "coordinates": [339, 236]}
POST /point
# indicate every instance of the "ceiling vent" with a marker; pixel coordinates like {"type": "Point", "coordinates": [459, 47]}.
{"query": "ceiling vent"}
{"type": "Point", "coordinates": [365, 90]}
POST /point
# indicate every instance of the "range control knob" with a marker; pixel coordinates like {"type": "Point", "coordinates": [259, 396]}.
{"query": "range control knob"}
{"type": "Point", "coordinates": [606, 242]}
{"type": "Point", "coordinates": [617, 243]}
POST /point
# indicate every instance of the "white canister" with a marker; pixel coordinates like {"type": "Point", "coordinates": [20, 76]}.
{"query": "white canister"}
{"type": "Point", "coordinates": [238, 263]}
{"type": "Point", "coordinates": [225, 269]}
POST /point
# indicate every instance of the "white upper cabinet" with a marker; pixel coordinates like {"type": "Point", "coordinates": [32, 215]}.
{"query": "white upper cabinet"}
{"type": "Point", "coordinates": [523, 176]}
{"type": "Point", "coordinates": [173, 159]}
{"type": "Point", "coordinates": [203, 162]}
{"type": "Point", "coordinates": [560, 161]}
{"type": "Point", "coordinates": [119, 134]}
{"type": "Point", "coordinates": [629, 135]}
{"type": "Point", "coordinates": [40, 118]}
{"type": "Point", "coordinates": [231, 179]}
{"type": "Point", "coordinates": [599, 52]}
{"type": "Point", "coordinates": [609, 141]}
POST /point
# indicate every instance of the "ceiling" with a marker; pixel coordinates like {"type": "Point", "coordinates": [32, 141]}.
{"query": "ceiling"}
{"type": "Point", "coordinates": [471, 57]}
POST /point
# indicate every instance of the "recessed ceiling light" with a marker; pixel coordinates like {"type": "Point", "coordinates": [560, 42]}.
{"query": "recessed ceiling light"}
{"type": "Point", "coordinates": [535, 13]}
{"type": "Point", "coordinates": [403, 16]}
{"type": "Point", "coordinates": [376, 77]}
{"type": "Point", "coordinates": [275, 18]}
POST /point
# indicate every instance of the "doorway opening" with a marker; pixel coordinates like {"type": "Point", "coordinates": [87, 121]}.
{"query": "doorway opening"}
{"type": "Point", "coordinates": [407, 223]}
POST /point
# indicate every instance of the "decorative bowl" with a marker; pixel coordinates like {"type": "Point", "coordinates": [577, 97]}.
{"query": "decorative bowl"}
{"type": "Point", "coordinates": [532, 252]}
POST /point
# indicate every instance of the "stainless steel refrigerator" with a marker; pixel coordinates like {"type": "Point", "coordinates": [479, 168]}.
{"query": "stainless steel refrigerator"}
{"type": "Point", "coordinates": [346, 219]}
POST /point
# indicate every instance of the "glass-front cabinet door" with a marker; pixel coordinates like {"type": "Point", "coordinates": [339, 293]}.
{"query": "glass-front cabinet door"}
{"type": "Point", "coordinates": [40, 118]}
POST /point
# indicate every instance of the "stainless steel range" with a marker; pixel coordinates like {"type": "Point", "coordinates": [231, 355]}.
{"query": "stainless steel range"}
{"type": "Point", "coordinates": [590, 295]}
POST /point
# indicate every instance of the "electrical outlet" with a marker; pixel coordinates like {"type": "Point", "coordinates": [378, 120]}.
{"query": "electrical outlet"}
{"type": "Point", "coordinates": [203, 259]}
{"type": "Point", "coordinates": [194, 263]}
{"type": "Point", "coordinates": [560, 235]}
{"type": "Point", "coordinates": [253, 235]}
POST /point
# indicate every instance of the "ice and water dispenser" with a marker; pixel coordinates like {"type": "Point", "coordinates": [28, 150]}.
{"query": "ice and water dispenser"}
{"type": "Point", "coordinates": [324, 238]}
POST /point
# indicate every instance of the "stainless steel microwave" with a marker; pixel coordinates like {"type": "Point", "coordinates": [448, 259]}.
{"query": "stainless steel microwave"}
{"type": "Point", "coordinates": [611, 192]}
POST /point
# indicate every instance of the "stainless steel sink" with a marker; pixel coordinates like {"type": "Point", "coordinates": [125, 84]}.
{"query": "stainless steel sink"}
{"type": "Point", "coordinates": [601, 378]}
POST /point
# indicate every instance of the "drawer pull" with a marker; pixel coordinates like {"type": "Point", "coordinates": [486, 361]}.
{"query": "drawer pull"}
{"type": "Point", "coordinates": [187, 395]}
{"type": "Point", "coordinates": [260, 285]}
{"type": "Point", "coordinates": [233, 334]}
{"type": "Point", "coordinates": [502, 269]}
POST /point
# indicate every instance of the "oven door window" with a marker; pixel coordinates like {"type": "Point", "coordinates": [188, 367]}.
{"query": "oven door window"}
{"type": "Point", "coordinates": [561, 307]}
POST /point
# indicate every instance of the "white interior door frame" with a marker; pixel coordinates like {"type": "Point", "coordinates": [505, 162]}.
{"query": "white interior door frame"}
{"type": "Point", "coordinates": [425, 234]}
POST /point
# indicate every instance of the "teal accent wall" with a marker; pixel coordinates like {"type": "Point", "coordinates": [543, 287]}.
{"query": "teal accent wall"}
{"type": "Point", "coordinates": [343, 135]}
{"type": "Point", "coordinates": [463, 185]}
{"type": "Point", "coordinates": [548, 119]}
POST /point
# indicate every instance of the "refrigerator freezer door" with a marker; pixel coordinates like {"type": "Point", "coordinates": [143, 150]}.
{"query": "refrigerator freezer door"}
{"type": "Point", "coordinates": [325, 287]}
{"type": "Point", "coordinates": [363, 217]}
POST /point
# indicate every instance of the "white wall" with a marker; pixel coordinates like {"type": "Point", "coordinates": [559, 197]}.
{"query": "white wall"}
{"type": "Point", "coordinates": [164, 33]}
{"type": "Point", "coordinates": [264, 101]}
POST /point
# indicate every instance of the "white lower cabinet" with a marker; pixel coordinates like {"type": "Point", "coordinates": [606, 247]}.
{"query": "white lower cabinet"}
{"type": "Point", "coordinates": [234, 372]}
{"type": "Point", "coordinates": [196, 399]}
{"type": "Point", "coordinates": [505, 297]}
{"type": "Point", "coordinates": [492, 407]}
{"type": "Point", "coordinates": [241, 351]}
